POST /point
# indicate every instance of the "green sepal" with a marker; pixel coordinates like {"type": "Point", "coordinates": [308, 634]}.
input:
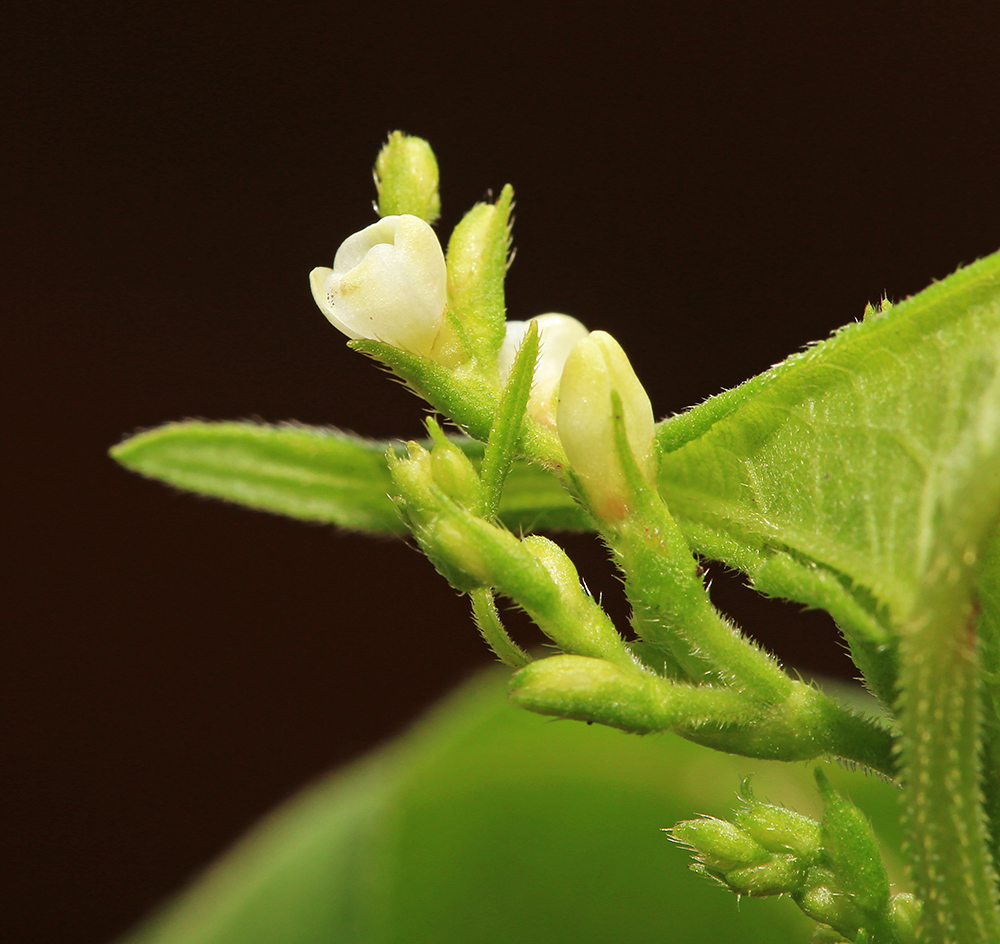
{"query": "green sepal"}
{"type": "Point", "coordinates": [640, 493]}
{"type": "Point", "coordinates": [478, 254]}
{"type": "Point", "coordinates": [321, 475]}
{"type": "Point", "coordinates": [406, 177]}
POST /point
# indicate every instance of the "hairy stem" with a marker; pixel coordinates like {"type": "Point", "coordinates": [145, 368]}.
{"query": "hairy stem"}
{"type": "Point", "coordinates": [484, 610]}
{"type": "Point", "coordinates": [941, 725]}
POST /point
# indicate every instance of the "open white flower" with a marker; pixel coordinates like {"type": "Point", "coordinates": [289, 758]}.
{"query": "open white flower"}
{"type": "Point", "coordinates": [388, 283]}
{"type": "Point", "coordinates": [557, 335]}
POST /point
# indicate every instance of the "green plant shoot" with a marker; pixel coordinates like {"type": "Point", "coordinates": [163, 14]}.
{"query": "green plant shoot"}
{"type": "Point", "coordinates": [860, 476]}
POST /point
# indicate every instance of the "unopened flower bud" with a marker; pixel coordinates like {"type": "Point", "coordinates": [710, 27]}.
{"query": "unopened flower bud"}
{"type": "Point", "coordinates": [780, 875]}
{"type": "Point", "coordinates": [557, 336]}
{"type": "Point", "coordinates": [851, 849]}
{"type": "Point", "coordinates": [824, 899]}
{"type": "Point", "coordinates": [419, 497]}
{"type": "Point", "coordinates": [719, 845]}
{"type": "Point", "coordinates": [455, 474]}
{"type": "Point", "coordinates": [406, 176]}
{"type": "Point", "coordinates": [388, 283]}
{"type": "Point", "coordinates": [779, 830]}
{"type": "Point", "coordinates": [478, 257]}
{"type": "Point", "coordinates": [596, 368]}
{"type": "Point", "coordinates": [905, 916]}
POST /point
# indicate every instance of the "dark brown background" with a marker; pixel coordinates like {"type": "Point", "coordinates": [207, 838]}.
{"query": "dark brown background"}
{"type": "Point", "coordinates": [716, 188]}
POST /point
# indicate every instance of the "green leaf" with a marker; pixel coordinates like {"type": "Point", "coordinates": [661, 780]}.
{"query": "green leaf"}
{"type": "Point", "coordinates": [319, 475]}
{"type": "Point", "coordinates": [850, 474]}
{"type": "Point", "coordinates": [489, 825]}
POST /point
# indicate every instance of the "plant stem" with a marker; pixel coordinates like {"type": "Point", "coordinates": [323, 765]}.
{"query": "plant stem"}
{"type": "Point", "coordinates": [484, 610]}
{"type": "Point", "coordinates": [941, 724]}
{"type": "Point", "coordinates": [671, 608]}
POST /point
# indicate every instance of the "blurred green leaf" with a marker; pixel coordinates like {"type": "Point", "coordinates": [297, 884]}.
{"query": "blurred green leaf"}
{"type": "Point", "coordinates": [487, 824]}
{"type": "Point", "coordinates": [319, 475]}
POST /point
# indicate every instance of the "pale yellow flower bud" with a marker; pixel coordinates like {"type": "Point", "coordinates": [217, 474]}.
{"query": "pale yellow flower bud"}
{"type": "Point", "coordinates": [595, 367]}
{"type": "Point", "coordinates": [388, 283]}
{"type": "Point", "coordinates": [557, 335]}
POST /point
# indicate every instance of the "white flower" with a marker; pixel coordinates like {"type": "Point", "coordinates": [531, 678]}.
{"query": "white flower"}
{"type": "Point", "coordinates": [597, 366]}
{"type": "Point", "coordinates": [388, 283]}
{"type": "Point", "coordinates": [557, 334]}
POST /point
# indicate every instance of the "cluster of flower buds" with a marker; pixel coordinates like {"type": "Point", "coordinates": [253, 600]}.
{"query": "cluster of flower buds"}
{"type": "Point", "coordinates": [440, 498]}
{"type": "Point", "coordinates": [831, 869]}
{"type": "Point", "coordinates": [391, 283]}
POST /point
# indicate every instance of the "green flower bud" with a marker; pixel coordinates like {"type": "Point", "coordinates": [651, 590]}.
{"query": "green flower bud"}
{"type": "Point", "coordinates": [781, 831]}
{"type": "Point", "coordinates": [825, 901]}
{"type": "Point", "coordinates": [588, 689]}
{"type": "Point", "coordinates": [778, 876]}
{"type": "Point", "coordinates": [596, 368]}
{"type": "Point", "coordinates": [419, 497]}
{"type": "Point", "coordinates": [720, 846]}
{"type": "Point", "coordinates": [406, 177]}
{"type": "Point", "coordinates": [485, 555]}
{"type": "Point", "coordinates": [477, 264]}
{"type": "Point", "coordinates": [905, 917]}
{"type": "Point", "coordinates": [388, 283]}
{"type": "Point", "coordinates": [577, 624]}
{"type": "Point", "coordinates": [423, 505]}
{"type": "Point", "coordinates": [851, 850]}
{"type": "Point", "coordinates": [614, 690]}
{"type": "Point", "coordinates": [455, 474]}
